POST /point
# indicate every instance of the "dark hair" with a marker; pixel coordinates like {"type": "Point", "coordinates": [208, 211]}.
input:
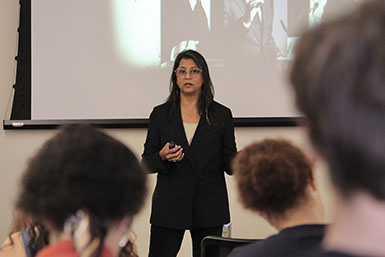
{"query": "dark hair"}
{"type": "Point", "coordinates": [272, 176]}
{"type": "Point", "coordinates": [82, 168]}
{"type": "Point", "coordinates": [38, 238]}
{"type": "Point", "coordinates": [339, 80]}
{"type": "Point", "coordinates": [207, 93]}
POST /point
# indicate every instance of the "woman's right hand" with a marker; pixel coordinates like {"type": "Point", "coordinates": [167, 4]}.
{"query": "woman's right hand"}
{"type": "Point", "coordinates": [172, 155]}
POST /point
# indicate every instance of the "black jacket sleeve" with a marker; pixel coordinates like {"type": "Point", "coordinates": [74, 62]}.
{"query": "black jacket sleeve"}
{"type": "Point", "coordinates": [229, 148]}
{"type": "Point", "coordinates": [152, 146]}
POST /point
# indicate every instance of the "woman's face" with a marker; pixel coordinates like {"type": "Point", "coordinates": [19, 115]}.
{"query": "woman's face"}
{"type": "Point", "coordinates": [189, 78]}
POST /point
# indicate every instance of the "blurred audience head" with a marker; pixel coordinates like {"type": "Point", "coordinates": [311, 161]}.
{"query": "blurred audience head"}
{"type": "Point", "coordinates": [339, 82]}
{"type": "Point", "coordinates": [83, 176]}
{"type": "Point", "coordinates": [275, 179]}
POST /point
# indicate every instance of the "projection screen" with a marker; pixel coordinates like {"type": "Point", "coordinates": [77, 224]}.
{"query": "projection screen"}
{"type": "Point", "coordinates": [113, 59]}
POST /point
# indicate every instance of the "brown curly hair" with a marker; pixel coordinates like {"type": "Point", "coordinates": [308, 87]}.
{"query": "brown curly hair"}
{"type": "Point", "coordinates": [272, 176]}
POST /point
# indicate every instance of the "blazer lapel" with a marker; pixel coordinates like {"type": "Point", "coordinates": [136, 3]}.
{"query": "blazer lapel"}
{"type": "Point", "coordinates": [199, 132]}
{"type": "Point", "coordinates": [180, 136]}
{"type": "Point", "coordinates": [181, 139]}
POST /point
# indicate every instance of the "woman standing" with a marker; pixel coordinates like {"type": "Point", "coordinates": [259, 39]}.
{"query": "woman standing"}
{"type": "Point", "coordinates": [190, 144]}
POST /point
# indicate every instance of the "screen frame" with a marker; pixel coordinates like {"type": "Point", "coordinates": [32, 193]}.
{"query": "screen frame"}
{"type": "Point", "coordinates": [20, 117]}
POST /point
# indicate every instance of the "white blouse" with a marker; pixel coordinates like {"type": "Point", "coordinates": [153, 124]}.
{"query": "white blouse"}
{"type": "Point", "coordinates": [189, 129]}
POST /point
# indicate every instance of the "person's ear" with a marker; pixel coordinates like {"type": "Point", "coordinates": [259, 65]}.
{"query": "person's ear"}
{"type": "Point", "coordinates": [118, 235]}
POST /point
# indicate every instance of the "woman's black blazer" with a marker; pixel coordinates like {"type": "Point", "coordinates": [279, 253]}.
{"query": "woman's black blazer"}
{"type": "Point", "coordinates": [190, 193]}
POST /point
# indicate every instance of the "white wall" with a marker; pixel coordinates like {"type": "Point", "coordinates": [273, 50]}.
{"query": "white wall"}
{"type": "Point", "coordinates": [17, 146]}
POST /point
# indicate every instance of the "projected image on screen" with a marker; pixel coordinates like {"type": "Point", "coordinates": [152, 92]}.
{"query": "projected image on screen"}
{"type": "Point", "coordinates": [191, 24]}
{"type": "Point", "coordinates": [113, 59]}
{"type": "Point", "coordinates": [250, 23]}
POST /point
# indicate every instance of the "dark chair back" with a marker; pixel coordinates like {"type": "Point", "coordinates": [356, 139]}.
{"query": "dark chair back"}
{"type": "Point", "coordinates": [215, 246]}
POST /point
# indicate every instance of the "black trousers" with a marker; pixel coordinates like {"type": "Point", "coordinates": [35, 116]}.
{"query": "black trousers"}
{"type": "Point", "coordinates": [166, 242]}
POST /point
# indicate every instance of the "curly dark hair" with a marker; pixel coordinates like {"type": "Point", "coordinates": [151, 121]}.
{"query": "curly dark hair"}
{"type": "Point", "coordinates": [39, 238]}
{"type": "Point", "coordinates": [272, 176]}
{"type": "Point", "coordinates": [82, 168]}
{"type": "Point", "coordinates": [339, 81]}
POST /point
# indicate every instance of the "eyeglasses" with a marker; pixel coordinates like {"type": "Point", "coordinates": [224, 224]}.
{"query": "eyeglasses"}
{"type": "Point", "coordinates": [182, 72]}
